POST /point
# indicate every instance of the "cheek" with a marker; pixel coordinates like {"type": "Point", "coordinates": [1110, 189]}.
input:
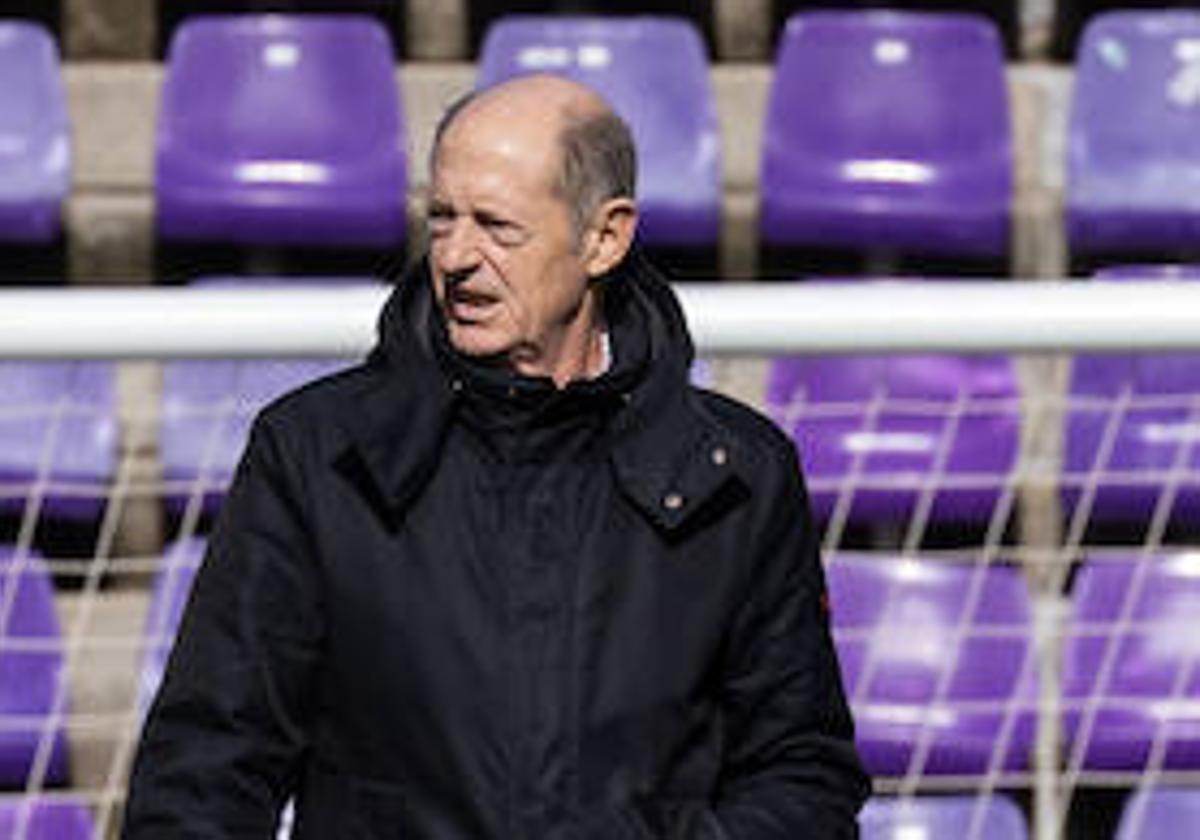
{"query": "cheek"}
{"type": "Point", "coordinates": [539, 293]}
{"type": "Point", "coordinates": [561, 291]}
{"type": "Point", "coordinates": [436, 282]}
{"type": "Point", "coordinates": [526, 306]}
{"type": "Point", "coordinates": [519, 296]}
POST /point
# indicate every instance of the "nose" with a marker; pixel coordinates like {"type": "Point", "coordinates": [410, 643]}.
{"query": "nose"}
{"type": "Point", "coordinates": [456, 253]}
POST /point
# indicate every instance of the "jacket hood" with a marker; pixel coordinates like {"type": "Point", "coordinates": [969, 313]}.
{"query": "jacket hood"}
{"type": "Point", "coordinates": [656, 437]}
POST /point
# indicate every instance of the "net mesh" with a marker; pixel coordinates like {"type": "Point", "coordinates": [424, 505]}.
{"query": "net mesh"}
{"type": "Point", "coordinates": [1008, 544]}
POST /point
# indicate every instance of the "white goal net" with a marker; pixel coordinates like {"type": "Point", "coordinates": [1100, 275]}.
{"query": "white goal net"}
{"type": "Point", "coordinates": [1008, 488]}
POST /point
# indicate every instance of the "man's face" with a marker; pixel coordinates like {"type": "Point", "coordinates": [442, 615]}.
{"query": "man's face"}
{"type": "Point", "coordinates": [503, 250]}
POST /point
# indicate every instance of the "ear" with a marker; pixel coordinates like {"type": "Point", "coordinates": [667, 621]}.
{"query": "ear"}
{"type": "Point", "coordinates": [610, 235]}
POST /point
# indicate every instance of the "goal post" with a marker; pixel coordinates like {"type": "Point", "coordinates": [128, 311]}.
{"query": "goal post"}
{"type": "Point", "coordinates": [725, 318]}
{"type": "Point", "coordinates": [892, 503]}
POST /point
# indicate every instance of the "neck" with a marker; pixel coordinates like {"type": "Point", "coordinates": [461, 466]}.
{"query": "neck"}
{"type": "Point", "coordinates": [580, 351]}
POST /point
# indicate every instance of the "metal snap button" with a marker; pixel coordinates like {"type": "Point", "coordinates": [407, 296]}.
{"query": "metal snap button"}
{"type": "Point", "coordinates": [720, 456]}
{"type": "Point", "coordinates": [673, 501]}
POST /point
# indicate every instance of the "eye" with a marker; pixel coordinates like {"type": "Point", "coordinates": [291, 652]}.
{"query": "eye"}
{"type": "Point", "coordinates": [503, 231]}
{"type": "Point", "coordinates": [439, 220]}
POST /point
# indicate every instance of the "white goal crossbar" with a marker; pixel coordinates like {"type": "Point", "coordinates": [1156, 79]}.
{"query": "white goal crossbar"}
{"type": "Point", "coordinates": [726, 318]}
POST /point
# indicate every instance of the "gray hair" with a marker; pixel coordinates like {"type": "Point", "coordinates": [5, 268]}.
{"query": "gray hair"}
{"type": "Point", "coordinates": [599, 159]}
{"type": "Point", "coordinates": [599, 163]}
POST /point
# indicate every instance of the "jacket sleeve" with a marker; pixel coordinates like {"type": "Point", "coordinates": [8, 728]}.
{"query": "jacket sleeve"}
{"type": "Point", "coordinates": [790, 767]}
{"type": "Point", "coordinates": [223, 741]}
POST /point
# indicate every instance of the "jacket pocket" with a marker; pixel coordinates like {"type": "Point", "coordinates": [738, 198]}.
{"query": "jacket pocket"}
{"type": "Point", "coordinates": [339, 806]}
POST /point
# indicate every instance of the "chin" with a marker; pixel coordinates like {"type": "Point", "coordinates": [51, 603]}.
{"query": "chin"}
{"type": "Point", "coordinates": [474, 341]}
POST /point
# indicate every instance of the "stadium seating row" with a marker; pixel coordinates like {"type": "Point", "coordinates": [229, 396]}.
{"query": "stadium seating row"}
{"type": "Point", "coordinates": [1070, 16]}
{"type": "Point", "coordinates": [938, 662]}
{"type": "Point", "coordinates": [887, 143]}
{"type": "Point", "coordinates": [883, 436]}
{"type": "Point", "coordinates": [480, 14]}
{"type": "Point", "coordinates": [937, 658]}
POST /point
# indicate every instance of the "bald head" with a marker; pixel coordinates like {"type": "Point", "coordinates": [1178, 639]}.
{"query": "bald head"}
{"type": "Point", "coordinates": [554, 117]}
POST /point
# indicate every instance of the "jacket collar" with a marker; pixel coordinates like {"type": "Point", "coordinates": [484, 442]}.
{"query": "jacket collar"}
{"type": "Point", "coordinates": [408, 403]}
{"type": "Point", "coordinates": [669, 457]}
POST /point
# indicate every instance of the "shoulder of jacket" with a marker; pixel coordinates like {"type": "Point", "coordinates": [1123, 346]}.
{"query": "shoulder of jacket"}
{"type": "Point", "coordinates": [316, 407]}
{"type": "Point", "coordinates": [754, 432]}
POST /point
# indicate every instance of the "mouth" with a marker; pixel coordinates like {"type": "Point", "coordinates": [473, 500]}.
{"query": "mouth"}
{"type": "Point", "coordinates": [464, 304]}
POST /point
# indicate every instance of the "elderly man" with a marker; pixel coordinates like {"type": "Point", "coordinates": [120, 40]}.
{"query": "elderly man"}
{"type": "Point", "coordinates": [513, 577]}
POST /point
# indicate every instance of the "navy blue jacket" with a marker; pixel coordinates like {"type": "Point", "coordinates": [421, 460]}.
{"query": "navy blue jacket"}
{"type": "Point", "coordinates": [443, 601]}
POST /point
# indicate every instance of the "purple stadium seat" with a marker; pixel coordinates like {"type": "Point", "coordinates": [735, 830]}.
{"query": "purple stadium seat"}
{"type": "Point", "coordinates": [934, 652]}
{"type": "Point", "coordinates": [1153, 438]}
{"type": "Point", "coordinates": [1152, 271]}
{"type": "Point", "coordinates": [47, 13]}
{"type": "Point", "coordinates": [673, 118]}
{"type": "Point", "coordinates": [889, 429]}
{"type": "Point", "coordinates": [390, 13]}
{"type": "Point", "coordinates": [58, 435]}
{"type": "Point", "coordinates": [30, 667]}
{"type": "Point", "coordinates": [942, 818]}
{"type": "Point", "coordinates": [701, 374]}
{"type": "Point", "coordinates": [888, 131]}
{"type": "Point", "coordinates": [281, 130]}
{"type": "Point", "coordinates": [181, 559]}
{"type": "Point", "coordinates": [484, 14]}
{"type": "Point", "coordinates": [1142, 614]}
{"type": "Point", "coordinates": [42, 818]}
{"type": "Point", "coordinates": [1070, 17]}
{"type": "Point", "coordinates": [1160, 813]}
{"type": "Point", "coordinates": [1003, 13]}
{"type": "Point", "coordinates": [1131, 175]}
{"type": "Point", "coordinates": [35, 151]}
